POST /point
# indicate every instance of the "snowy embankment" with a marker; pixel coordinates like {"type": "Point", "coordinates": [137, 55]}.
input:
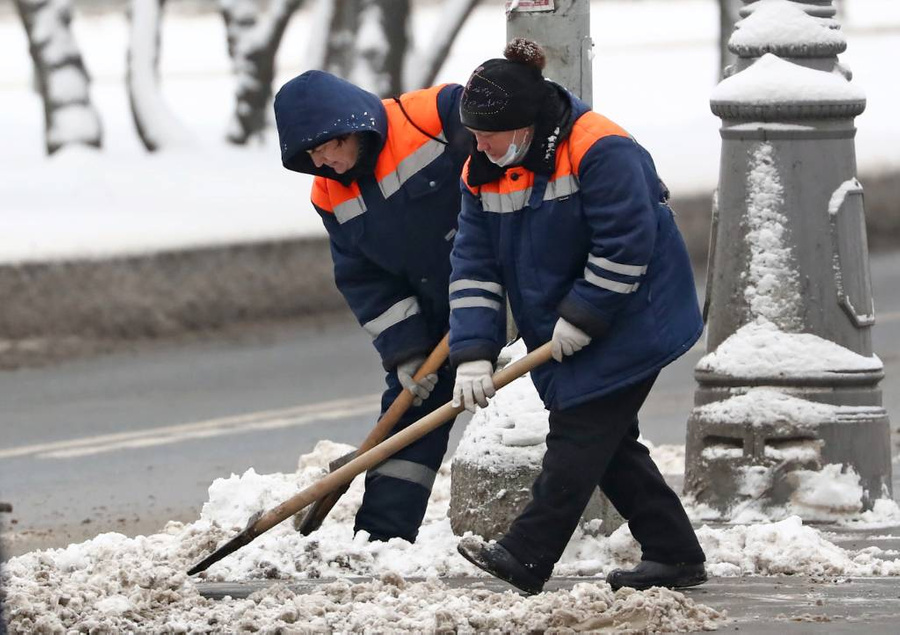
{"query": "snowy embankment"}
{"type": "Point", "coordinates": [655, 66]}
{"type": "Point", "coordinates": [118, 583]}
{"type": "Point", "coordinates": [115, 583]}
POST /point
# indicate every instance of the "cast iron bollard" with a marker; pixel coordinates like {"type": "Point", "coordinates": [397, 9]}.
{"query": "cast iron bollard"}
{"type": "Point", "coordinates": [789, 389]}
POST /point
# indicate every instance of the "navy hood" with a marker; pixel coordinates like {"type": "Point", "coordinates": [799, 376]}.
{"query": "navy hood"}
{"type": "Point", "coordinates": [317, 106]}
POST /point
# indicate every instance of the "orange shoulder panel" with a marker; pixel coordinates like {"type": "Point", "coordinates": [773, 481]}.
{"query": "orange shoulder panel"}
{"type": "Point", "coordinates": [328, 194]}
{"type": "Point", "coordinates": [319, 194]}
{"type": "Point", "coordinates": [403, 138]}
{"type": "Point", "coordinates": [587, 130]}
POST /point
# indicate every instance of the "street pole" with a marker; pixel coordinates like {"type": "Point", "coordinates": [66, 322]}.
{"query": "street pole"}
{"type": "Point", "coordinates": [788, 391]}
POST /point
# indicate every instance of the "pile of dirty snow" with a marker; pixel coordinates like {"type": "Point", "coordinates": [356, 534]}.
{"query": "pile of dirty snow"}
{"type": "Point", "coordinates": [114, 583]}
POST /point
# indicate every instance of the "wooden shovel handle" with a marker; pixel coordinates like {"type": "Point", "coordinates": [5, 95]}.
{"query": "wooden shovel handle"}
{"type": "Point", "coordinates": [378, 454]}
{"type": "Point", "coordinates": [405, 399]}
{"type": "Point", "coordinates": [366, 460]}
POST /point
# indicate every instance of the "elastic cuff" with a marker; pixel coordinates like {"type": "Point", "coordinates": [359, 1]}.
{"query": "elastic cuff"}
{"type": "Point", "coordinates": [579, 313]}
{"type": "Point", "coordinates": [475, 351]}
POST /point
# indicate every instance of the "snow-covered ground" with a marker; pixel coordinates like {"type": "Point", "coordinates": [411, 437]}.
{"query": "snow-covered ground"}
{"type": "Point", "coordinates": [655, 67]}
{"type": "Point", "coordinates": [117, 583]}
{"type": "Point", "coordinates": [114, 583]}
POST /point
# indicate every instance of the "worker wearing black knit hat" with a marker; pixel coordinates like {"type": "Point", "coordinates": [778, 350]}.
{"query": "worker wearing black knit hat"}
{"type": "Point", "coordinates": [505, 94]}
{"type": "Point", "coordinates": [563, 214]}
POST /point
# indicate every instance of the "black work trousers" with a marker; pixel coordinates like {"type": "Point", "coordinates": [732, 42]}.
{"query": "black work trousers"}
{"type": "Point", "coordinates": [592, 444]}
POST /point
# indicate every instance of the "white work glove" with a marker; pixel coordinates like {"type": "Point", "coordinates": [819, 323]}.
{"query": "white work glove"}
{"type": "Point", "coordinates": [474, 384]}
{"type": "Point", "coordinates": [567, 339]}
{"type": "Point", "coordinates": [421, 390]}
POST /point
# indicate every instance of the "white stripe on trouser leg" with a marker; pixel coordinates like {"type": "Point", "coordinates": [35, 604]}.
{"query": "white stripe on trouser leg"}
{"type": "Point", "coordinates": [403, 309]}
{"type": "Point", "coordinates": [407, 471]}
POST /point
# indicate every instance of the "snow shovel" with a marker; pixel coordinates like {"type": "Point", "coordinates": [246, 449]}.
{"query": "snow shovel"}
{"type": "Point", "coordinates": [262, 522]}
{"type": "Point", "coordinates": [312, 520]}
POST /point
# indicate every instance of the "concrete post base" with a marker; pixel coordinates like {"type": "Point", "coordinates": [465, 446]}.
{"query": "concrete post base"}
{"type": "Point", "coordinates": [485, 501]}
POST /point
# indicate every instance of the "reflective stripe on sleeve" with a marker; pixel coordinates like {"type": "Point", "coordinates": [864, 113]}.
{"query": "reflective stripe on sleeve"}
{"type": "Point", "coordinates": [609, 285]}
{"type": "Point", "coordinates": [490, 287]}
{"type": "Point", "coordinates": [391, 182]}
{"type": "Point", "coordinates": [561, 187]}
{"type": "Point", "coordinates": [349, 209]}
{"type": "Point", "coordinates": [469, 303]}
{"type": "Point", "coordinates": [615, 267]}
{"type": "Point", "coordinates": [407, 471]}
{"type": "Point", "coordinates": [402, 310]}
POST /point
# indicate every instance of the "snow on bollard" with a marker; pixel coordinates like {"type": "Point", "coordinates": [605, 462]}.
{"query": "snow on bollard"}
{"type": "Point", "coordinates": [790, 385]}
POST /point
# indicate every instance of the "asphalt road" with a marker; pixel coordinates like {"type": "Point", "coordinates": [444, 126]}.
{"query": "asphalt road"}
{"type": "Point", "coordinates": [126, 441]}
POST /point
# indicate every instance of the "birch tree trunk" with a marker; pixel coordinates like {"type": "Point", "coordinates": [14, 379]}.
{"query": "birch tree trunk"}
{"type": "Point", "coordinates": [254, 37]}
{"type": "Point", "coordinates": [60, 75]}
{"type": "Point", "coordinates": [421, 71]}
{"type": "Point", "coordinates": [156, 125]}
{"type": "Point", "coordinates": [367, 43]}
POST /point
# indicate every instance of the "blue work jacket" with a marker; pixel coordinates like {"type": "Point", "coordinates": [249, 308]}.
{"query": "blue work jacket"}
{"type": "Point", "coordinates": [393, 217]}
{"type": "Point", "coordinates": [591, 239]}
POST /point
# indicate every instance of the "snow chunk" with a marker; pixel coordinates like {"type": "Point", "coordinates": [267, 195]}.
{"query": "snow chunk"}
{"type": "Point", "coordinates": [787, 547]}
{"type": "Point", "coordinates": [840, 194]}
{"type": "Point", "coordinates": [760, 349]}
{"type": "Point", "coordinates": [773, 290]}
{"type": "Point", "coordinates": [510, 432]}
{"type": "Point", "coordinates": [775, 23]}
{"type": "Point", "coordinates": [827, 493]}
{"type": "Point", "coordinates": [772, 80]}
{"type": "Point", "coordinates": [759, 406]}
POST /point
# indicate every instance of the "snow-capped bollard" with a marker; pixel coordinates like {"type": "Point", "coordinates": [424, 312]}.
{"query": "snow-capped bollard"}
{"type": "Point", "coordinates": [790, 383]}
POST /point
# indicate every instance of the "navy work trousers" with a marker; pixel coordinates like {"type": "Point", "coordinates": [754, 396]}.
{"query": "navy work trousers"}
{"type": "Point", "coordinates": [397, 490]}
{"type": "Point", "coordinates": [593, 444]}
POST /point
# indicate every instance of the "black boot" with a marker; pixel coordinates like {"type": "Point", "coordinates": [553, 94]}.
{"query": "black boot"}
{"type": "Point", "coordinates": [649, 573]}
{"type": "Point", "coordinates": [500, 563]}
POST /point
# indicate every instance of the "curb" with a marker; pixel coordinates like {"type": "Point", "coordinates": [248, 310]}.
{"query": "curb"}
{"type": "Point", "coordinates": [168, 293]}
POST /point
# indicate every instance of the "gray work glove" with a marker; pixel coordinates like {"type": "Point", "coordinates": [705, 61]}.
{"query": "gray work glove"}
{"type": "Point", "coordinates": [421, 390]}
{"type": "Point", "coordinates": [474, 384]}
{"type": "Point", "coordinates": [567, 339]}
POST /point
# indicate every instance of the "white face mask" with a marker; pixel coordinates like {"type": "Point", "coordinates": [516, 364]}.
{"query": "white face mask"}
{"type": "Point", "coordinates": [514, 153]}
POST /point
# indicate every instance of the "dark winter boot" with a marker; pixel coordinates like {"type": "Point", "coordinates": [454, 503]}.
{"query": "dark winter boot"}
{"type": "Point", "coordinates": [500, 563]}
{"type": "Point", "coordinates": [649, 573]}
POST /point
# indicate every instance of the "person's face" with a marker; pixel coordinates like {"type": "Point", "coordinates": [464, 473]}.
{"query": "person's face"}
{"type": "Point", "coordinates": [495, 144]}
{"type": "Point", "coordinates": [338, 154]}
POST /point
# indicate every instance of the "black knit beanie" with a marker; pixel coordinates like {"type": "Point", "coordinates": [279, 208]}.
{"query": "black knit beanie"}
{"type": "Point", "coordinates": [506, 94]}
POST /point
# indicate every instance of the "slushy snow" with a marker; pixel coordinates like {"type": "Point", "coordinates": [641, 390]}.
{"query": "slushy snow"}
{"type": "Point", "coordinates": [115, 583]}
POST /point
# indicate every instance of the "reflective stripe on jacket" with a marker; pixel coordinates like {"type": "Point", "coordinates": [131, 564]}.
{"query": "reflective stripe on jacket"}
{"type": "Point", "coordinates": [593, 242]}
{"type": "Point", "coordinates": [392, 227]}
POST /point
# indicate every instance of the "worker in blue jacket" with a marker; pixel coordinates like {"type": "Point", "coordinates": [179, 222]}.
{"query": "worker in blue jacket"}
{"type": "Point", "coordinates": [564, 214]}
{"type": "Point", "coordinates": [387, 190]}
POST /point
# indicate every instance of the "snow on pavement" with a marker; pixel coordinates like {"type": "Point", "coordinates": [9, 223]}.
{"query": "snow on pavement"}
{"type": "Point", "coordinates": [117, 583]}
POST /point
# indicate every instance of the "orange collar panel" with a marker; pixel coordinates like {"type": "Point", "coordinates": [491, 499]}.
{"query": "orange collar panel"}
{"type": "Point", "coordinates": [586, 131]}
